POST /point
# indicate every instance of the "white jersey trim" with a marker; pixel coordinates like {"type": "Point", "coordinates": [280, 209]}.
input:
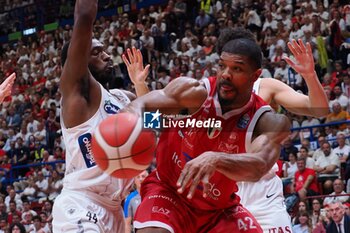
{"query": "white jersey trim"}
{"type": "Point", "coordinates": [252, 124]}
{"type": "Point", "coordinates": [256, 86]}
{"type": "Point", "coordinates": [139, 225]}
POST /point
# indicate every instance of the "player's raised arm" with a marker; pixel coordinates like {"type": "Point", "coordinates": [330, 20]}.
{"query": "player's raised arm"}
{"type": "Point", "coordinates": [76, 65]}
{"type": "Point", "coordinates": [80, 91]}
{"type": "Point", "coordinates": [270, 131]}
{"type": "Point", "coordinates": [181, 93]}
{"type": "Point", "coordinates": [316, 103]}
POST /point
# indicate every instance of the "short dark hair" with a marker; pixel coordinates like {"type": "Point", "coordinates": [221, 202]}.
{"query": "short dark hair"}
{"type": "Point", "coordinates": [305, 148]}
{"type": "Point", "coordinates": [228, 34]}
{"type": "Point", "coordinates": [22, 229]}
{"type": "Point", "coordinates": [64, 53]}
{"type": "Point", "coordinates": [245, 47]}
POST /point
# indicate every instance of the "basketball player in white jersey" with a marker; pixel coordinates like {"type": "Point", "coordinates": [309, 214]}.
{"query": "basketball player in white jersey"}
{"type": "Point", "coordinates": [264, 199]}
{"type": "Point", "coordinates": [90, 199]}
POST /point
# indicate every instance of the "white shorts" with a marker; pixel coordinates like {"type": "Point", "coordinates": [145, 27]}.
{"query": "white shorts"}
{"type": "Point", "coordinates": [265, 200]}
{"type": "Point", "coordinates": [76, 212]}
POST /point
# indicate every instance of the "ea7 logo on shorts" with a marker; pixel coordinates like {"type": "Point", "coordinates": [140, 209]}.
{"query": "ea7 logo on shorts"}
{"type": "Point", "coordinates": [85, 148]}
{"type": "Point", "coordinates": [160, 210]}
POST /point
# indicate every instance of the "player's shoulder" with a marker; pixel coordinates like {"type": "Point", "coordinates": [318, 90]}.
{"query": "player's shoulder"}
{"type": "Point", "coordinates": [279, 120]}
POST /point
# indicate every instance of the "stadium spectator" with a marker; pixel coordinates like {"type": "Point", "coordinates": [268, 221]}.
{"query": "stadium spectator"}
{"type": "Point", "coordinates": [303, 223]}
{"type": "Point", "coordinates": [338, 189]}
{"type": "Point", "coordinates": [132, 201]}
{"type": "Point", "coordinates": [327, 166]}
{"type": "Point", "coordinates": [315, 212]}
{"type": "Point", "coordinates": [340, 222]}
{"type": "Point", "coordinates": [13, 196]}
{"type": "Point", "coordinates": [304, 153]}
{"type": "Point", "coordinates": [17, 228]}
{"type": "Point", "coordinates": [304, 181]}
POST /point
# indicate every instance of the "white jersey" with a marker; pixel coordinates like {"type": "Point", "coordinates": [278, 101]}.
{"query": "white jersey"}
{"type": "Point", "coordinates": [82, 173]}
{"type": "Point", "coordinates": [264, 198]}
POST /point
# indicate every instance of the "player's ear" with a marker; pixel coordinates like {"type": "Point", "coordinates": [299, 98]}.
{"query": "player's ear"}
{"type": "Point", "coordinates": [257, 74]}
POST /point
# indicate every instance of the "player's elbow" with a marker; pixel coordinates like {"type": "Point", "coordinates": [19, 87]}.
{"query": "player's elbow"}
{"type": "Point", "coordinates": [320, 112]}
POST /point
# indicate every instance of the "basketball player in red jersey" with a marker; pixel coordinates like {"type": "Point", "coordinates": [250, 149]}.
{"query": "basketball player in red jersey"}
{"type": "Point", "coordinates": [193, 188]}
{"type": "Point", "coordinates": [264, 198]}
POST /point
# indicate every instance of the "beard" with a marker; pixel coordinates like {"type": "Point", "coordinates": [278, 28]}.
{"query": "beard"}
{"type": "Point", "coordinates": [225, 100]}
{"type": "Point", "coordinates": [103, 77]}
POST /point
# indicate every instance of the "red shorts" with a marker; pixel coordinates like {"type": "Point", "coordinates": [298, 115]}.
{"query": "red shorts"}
{"type": "Point", "coordinates": [162, 207]}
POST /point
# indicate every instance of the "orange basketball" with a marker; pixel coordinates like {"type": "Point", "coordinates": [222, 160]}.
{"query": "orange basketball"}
{"type": "Point", "coordinates": [121, 147]}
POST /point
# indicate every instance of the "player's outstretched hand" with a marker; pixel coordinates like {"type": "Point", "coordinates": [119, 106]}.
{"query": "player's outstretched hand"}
{"type": "Point", "coordinates": [195, 171]}
{"type": "Point", "coordinates": [134, 64]}
{"type": "Point", "coordinates": [6, 87]}
{"type": "Point", "coordinates": [304, 61]}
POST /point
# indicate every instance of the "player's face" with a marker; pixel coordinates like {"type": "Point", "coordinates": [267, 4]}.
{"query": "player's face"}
{"type": "Point", "coordinates": [100, 63]}
{"type": "Point", "coordinates": [235, 80]}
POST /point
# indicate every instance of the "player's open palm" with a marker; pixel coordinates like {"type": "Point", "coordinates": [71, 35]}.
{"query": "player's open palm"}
{"type": "Point", "coordinates": [134, 64]}
{"type": "Point", "coordinates": [196, 171]}
{"type": "Point", "coordinates": [304, 61]}
{"type": "Point", "coordinates": [6, 87]}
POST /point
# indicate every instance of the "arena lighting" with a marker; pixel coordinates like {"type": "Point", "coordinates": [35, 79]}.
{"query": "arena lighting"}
{"type": "Point", "coordinates": [29, 31]}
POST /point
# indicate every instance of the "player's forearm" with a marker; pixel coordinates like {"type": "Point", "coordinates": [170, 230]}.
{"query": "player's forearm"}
{"type": "Point", "coordinates": [318, 103]}
{"type": "Point", "coordinates": [242, 167]}
{"type": "Point", "coordinates": [247, 166]}
{"type": "Point", "coordinates": [85, 10]}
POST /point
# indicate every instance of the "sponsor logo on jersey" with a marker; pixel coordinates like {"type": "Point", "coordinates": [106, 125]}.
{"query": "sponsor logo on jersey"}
{"type": "Point", "coordinates": [213, 132]}
{"type": "Point", "coordinates": [243, 121]}
{"type": "Point", "coordinates": [214, 192]}
{"type": "Point", "coordinates": [110, 108]}
{"type": "Point", "coordinates": [85, 148]}
{"type": "Point", "coordinates": [228, 147]}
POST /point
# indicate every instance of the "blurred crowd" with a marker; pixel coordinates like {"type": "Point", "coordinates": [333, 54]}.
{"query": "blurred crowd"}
{"type": "Point", "coordinates": [177, 39]}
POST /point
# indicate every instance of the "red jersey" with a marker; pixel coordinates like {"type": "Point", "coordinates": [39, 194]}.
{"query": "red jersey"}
{"type": "Point", "coordinates": [301, 177]}
{"type": "Point", "coordinates": [180, 145]}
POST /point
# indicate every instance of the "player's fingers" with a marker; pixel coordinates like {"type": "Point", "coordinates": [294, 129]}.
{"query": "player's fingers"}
{"type": "Point", "coordinates": [131, 57]}
{"type": "Point", "coordinates": [181, 177]}
{"type": "Point", "coordinates": [126, 61]}
{"type": "Point", "coordinates": [301, 45]}
{"type": "Point", "coordinates": [292, 49]}
{"type": "Point", "coordinates": [194, 185]}
{"type": "Point", "coordinates": [140, 59]}
{"type": "Point", "coordinates": [134, 52]}
{"type": "Point", "coordinates": [186, 179]}
{"type": "Point", "coordinates": [296, 46]}
{"type": "Point", "coordinates": [289, 61]}
{"type": "Point", "coordinates": [206, 186]}
{"type": "Point", "coordinates": [146, 70]}
{"type": "Point", "coordinates": [308, 48]}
